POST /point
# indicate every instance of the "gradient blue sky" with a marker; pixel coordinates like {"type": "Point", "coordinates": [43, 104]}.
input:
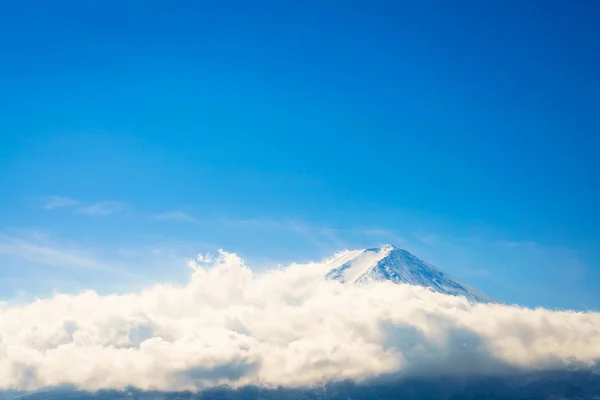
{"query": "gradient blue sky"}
{"type": "Point", "coordinates": [135, 134]}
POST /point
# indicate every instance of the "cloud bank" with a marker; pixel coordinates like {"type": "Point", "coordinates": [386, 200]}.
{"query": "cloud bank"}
{"type": "Point", "coordinates": [286, 327]}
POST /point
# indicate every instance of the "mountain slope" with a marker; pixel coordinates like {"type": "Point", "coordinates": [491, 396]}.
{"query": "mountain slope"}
{"type": "Point", "coordinates": [399, 266]}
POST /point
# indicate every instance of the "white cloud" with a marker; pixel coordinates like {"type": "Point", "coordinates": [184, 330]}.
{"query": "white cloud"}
{"type": "Point", "coordinates": [103, 208]}
{"type": "Point", "coordinates": [428, 239]}
{"type": "Point", "coordinates": [94, 209]}
{"type": "Point", "coordinates": [202, 259]}
{"type": "Point", "coordinates": [33, 265]}
{"type": "Point", "coordinates": [286, 327]}
{"type": "Point", "coordinates": [175, 216]}
{"type": "Point", "coordinates": [511, 244]}
{"type": "Point", "coordinates": [42, 251]}
{"type": "Point", "coordinates": [60, 202]}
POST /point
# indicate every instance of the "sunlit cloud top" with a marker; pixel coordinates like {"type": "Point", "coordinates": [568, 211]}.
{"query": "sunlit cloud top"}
{"type": "Point", "coordinates": [287, 327]}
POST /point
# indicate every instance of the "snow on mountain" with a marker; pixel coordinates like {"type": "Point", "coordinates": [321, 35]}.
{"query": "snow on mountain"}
{"type": "Point", "coordinates": [399, 266]}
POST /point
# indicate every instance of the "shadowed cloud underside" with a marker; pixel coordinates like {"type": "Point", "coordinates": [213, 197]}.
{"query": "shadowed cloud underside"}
{"type": "Point", "coordinates": [289, 327]}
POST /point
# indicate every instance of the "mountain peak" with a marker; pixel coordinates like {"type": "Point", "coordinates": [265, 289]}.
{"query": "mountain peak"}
{"type": "Point", "coordinates": [384, 247]}
{"type": "Point", "coordinates": [389, 263]}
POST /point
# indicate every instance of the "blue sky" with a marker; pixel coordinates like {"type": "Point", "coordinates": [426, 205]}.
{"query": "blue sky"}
{"type": "Point", "coordinates": [135, 134]}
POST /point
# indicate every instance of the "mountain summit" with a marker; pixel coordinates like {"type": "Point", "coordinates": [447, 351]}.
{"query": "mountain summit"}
{"type": "Point", "coordinates": [399, 266]}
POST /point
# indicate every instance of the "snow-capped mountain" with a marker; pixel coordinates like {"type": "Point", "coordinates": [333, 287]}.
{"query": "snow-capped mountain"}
{"type": "Point", "coordinates": [399, 266]}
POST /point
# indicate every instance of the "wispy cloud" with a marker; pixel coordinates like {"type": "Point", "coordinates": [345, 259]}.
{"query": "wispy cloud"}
{"type": "Point", "coordinates": [60, 202]}
{"type": "Point", "coordinates": [258, 223]}
{"type": "Point", "coordinates": [103, 208]}
{"type": "Point", "coordinates": [175, 216]}
{"type": "Point", "coordinates": [40, 263]}
{"type": "Point", "coordinates": [359, 237]}
{"type": "Point", "coordinates": [480, 272]}
{"type": "Point", "coordinates": [427, 239]}
{"type": "Point", "coordinates": [512, 244]}
{"type": "Point", "coordinates": [39, 250]}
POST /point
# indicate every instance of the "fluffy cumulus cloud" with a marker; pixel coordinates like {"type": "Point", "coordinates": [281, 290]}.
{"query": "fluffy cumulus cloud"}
{"type": "Point", "coordinates": [286, 327]}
